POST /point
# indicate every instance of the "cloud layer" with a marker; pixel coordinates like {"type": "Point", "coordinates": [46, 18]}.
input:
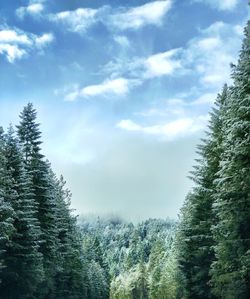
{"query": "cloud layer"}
{"type": "Point", "coordinates": [120, 19]}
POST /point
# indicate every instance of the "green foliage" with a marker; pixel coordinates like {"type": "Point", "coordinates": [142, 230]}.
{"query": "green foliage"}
{"type": "Point", "coordinates": [40, 245]}
{"type": "Point", "coordinates": [231, 269]}
{"type": "Point", "coordinates": [136, 257]}
{"type": "Point", "coordinates": [25, 272]}
{"type": "Point", "coordinates": [214, 234]}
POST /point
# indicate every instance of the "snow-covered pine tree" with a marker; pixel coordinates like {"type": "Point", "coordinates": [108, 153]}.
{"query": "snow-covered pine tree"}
{"type": "Point", "coordinates": [70, 278]}
{"type": "Point", "coordinates": [6, 211]}
{"type": "Point", "coordinates": [231, 270]}
{"type": "Point", "coordinates": [29, 137]}
{"type": "Point", "coordinates": [24, 270]}
{"type": "Point", "coordinates": [195, 237]}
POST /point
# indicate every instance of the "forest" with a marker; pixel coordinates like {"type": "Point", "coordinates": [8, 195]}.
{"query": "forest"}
{"type": "Point", "coordinates": [48, 252]}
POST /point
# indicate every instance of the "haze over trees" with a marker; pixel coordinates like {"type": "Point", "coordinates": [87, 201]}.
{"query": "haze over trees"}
{"type": "Point", "coordinates": [44, 253]}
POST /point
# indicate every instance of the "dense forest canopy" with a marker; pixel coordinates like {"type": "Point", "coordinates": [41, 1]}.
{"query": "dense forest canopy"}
{"type": "Point", "coordinates": [46, 253]}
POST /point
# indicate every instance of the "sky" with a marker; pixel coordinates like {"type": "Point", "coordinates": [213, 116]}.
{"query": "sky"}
{"type": "Point", "coordinates": [123, 91]}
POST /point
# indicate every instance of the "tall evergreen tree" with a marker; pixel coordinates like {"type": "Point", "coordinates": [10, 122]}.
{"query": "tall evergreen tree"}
{"type": "Point", "coordinates": [71, 275]}
{"type": "Point", "coordinates": [231, 270]}
{"type": "Point", "coordinates": [29, 136]}
{"type": "Point", "coordinates": [23, 262]}
{"type": "Point", "coordinates": [195, 237]}
{"type": "Point", "coordinates": [6, 210]}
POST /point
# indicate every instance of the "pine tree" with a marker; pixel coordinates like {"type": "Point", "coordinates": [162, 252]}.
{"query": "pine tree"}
{"type": "Point", "coordinates": [6, 211]}
{"type": "Point", "coordinates": [231, 270]}
{"type": "Point", "coordinates": [23, 262]}
{"type": "Point", "coordinates": [71, 275]}
{"type": "Point", "coordinates": [195, 237]}
{"type": "Point", "coordinates": [29, 136]}
{"type": "Point", "coordinates": [142, 280]}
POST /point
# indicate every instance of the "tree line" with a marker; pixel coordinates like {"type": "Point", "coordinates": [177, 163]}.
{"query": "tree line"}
{"type": "Point", "coordinates": [40, 242]}
{"type": "Point", "coordinates": [134, 260]}
{"type": "Point", "coordinates": [213, 239]}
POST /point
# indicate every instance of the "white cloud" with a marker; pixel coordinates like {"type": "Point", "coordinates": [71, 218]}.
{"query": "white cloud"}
{"type": "Point", "coordinates": [122, 40]}
{"type": "Point", "coordinates": [209, 55]}
{"type": "Point", "coordinates": [221, 4]}
{"type": "Point", "coordinates": [143, 68]}
{"type": "Point", "coordinates": [209, 43]}
{"type": "Point", "coordinates": [33, 9]}
{"type": "Point", "coordinates": [170, 130]}
{"type": "Point", "coordinates": [16, 44]}
{"type": "Point", "coordinates": [44, 39]}
{"type": "Point", "coordinates": [150, 13]}
{"type": "Point", "coordinates": [161, 64]}
{"type": "Point", "coordinates": [187, 105]}
{"type": "Point", "coordinates": [118, 86]}
{"type": "Point", "coordinates": [205, 58]}
{"type": "Point", "coordinates": [129, 125]}
{"type": "Point", "coordinates": [77, 20]}
{"type": "Point", "coordinates": [81, 19]}
{"type": "Point", "coordinates": [13, 36]}
{"type": "Point", "coordinates": [12, 52]}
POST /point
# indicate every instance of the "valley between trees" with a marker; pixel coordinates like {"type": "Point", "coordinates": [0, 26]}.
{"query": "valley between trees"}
{"type": "Point", "coordinates": [46, 253]}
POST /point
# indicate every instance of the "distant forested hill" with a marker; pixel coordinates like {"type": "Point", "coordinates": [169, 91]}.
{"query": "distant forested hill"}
{"type": "Point", "coordinates": [133, 261]}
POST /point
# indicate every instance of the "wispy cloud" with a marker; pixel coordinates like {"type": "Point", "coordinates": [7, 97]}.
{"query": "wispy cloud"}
{"type": "Point", "coordinates": [78, 20]}
{"type": "Point", "coordinates": [34, 9]}
{"type": "Point", "coordinates": [138, 70]}
{"type": "Point", "coordinates": [44, 39]}
{"type": "Point", "coordinates": [16, 44]}
{"type": "Point", "coordinates": [220, 4]}
{"type": "Point", "coordinates": [186, 104]}
{"type": "Point", "coordinates": [206, 57]}
{"type": "Point", "coordinates": [210, 54]}
{"type": "Point", "coordinates": [161, 64]}
{"type": "Point", "coordinates": [122, 40]}
{"type": "Point", "coordinates": [169, 130]}
{"type": "Point", "coordinates": [143, 68]}
{"type": "Point", "coordinates": [120, 19]}
{"type": "Point", "coordinates": [134, 18]}
{"type": "Point", "coordinates": [118, 86]}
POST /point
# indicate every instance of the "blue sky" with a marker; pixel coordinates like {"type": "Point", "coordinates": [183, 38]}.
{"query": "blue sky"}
{"type": "Point", "coordinates": [123, 90]}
